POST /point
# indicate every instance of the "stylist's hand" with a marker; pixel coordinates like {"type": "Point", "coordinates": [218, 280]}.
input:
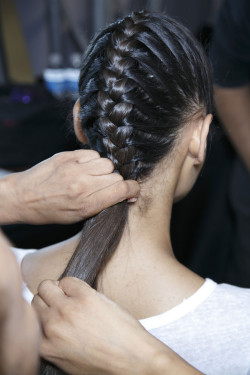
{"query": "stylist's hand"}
{"type": "Point", "coordinates": [68, 187]}
{"type": "Point", "coordinates": [85, 333]}
{"type": "Point", "coordinates": [19, 334]}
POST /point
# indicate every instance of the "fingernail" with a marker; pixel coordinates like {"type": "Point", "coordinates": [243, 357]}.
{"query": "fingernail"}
{"type": "Point", "coordinates": [132, 200]}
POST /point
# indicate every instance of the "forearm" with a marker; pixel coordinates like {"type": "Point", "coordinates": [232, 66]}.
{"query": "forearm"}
{"type": "Point", "coordinates": [18, 324]}
{"type": "Point", "coordinates": [67, 188]}
{"type": "Point", "coordinates": [233, 107]}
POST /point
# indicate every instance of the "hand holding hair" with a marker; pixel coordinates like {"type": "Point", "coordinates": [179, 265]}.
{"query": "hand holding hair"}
{"type": "Point", "coordinates": [102, 337]}
{"type": "Point", "coordinates": [68, 187]}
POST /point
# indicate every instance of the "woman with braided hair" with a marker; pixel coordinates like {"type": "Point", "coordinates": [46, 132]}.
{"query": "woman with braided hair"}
{"type": "Point", "coordinates": [145, 102]}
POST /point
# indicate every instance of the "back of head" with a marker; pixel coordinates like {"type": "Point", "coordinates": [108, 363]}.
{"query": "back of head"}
{"type": "Point", "coordinates": [141, 80]}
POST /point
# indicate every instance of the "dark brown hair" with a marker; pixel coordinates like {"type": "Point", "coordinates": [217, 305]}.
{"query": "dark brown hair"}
{"type": "Point", "coordinates": [141, 79]}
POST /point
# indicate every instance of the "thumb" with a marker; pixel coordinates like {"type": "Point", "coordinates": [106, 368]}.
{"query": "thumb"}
{"type": "Point", "coordinates": [74, 287]}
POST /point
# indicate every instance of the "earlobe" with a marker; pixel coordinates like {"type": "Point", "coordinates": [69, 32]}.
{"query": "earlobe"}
{"type": "Point", "coordinates": [77, 123]}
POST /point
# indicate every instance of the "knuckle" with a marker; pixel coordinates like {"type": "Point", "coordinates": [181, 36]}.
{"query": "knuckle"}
{"type": "Point", "coordinates": [108, 164]}
{"type": "Point", "coordinates": [123, 189]}
{"type": "Point", "coordinates": [74, 190]}
{"type": "Point", "coordinates": [64, 282]}
{"type": "Point", "coordinates": [69, 281]}
{"type": "Point", "coordinates": [94, 153]}
{"type": "Point", "coordinates": [86, 155]}
{"type": "Point", "coordinates": [73, 187]}
{"type": "Point", "coordinates": [117, 177]}
{"type": "Point", "coordinates": [43, 286]}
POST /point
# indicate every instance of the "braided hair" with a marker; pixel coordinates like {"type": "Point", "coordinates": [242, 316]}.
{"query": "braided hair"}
{"type": "Point", "coordinates": [141, 80]}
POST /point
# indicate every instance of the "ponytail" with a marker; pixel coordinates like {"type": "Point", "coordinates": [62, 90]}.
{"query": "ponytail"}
{"type": "Point", "coordinates": [142, 78]}
{"type": "Point", "coordinates": [100, 237]}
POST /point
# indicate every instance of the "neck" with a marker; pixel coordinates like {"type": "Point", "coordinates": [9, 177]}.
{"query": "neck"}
{"type": "Point", "coordinates": [144, 267]}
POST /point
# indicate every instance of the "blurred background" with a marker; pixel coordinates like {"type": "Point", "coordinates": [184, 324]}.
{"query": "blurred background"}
{"type": "Point", "coordinates": [41, 43]}
{"type": "Point", "coordinates": [65, 26]}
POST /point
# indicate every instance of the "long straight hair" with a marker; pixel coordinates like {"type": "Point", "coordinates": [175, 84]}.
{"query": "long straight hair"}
{"type": "Point", "coordinates": [142, 79]}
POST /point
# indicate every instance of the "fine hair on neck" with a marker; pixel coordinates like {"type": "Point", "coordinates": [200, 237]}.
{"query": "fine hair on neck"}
{"type": "Point", "coordinates": [142, 79]}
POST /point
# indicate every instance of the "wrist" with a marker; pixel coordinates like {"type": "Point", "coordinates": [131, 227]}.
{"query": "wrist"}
{"type": "Point", "coordinates": [167, 362]}
{"type": "Point", "coordinates": [10, 211]}
{"type": "Point", "coordinates": [151, 358]}
{"type": "Point", "coordinates": [159, 362]}
{"type": "Point", "coordinates": [155, 358]}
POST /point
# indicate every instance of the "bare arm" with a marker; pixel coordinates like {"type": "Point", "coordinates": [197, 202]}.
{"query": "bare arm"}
{"type": "Point", "coordinates": [66, 188]}
{"type": "Point", "coordinates": [102, 336]}
{"type": "Point", "coordinates": [18, 323]}
{"type": "Point", "coordinates": [233, 107]}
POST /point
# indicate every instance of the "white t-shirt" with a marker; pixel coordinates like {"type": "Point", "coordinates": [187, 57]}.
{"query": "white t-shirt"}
{"type": "Point", "coordinates": [210, 329]}
{"type": "Point", "coordinates": [20, 254]}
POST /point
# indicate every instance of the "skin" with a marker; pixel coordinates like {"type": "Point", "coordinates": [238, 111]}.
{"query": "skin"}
{"type": "Point", "coordinates": [180, 174]}
{"type": "Point", "coordinates": [73, 314]}
{"type": "Point", "coordinates": [17, 320]}
{"type": "Point", "coordinates": [87, 186]}
{"type": "Point", "coordinates": [63, 317]}
{"type": "Point", "coordinates": [233, 107]}
{"type": "Point", "coordinates": [162, 360]}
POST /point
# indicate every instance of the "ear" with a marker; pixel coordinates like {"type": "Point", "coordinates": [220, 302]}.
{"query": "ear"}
{"type": "Point", "coordinates": [77, 123]}
{"type": "Point", "coordinates": [193, 156]}
{"type": "Point", "coordinates": [198, 142]}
